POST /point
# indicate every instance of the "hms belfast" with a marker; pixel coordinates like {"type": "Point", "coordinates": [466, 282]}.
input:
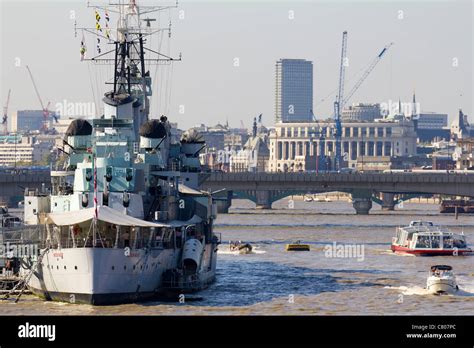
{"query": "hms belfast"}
{"type": "Point", "coordinates": [125, 220]}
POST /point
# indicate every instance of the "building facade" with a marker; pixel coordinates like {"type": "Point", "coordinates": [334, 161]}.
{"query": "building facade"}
{"type": "Point", "coordinates": [432, 120]}
{"type": "Point", "coordinates": [361, 112]}
{"type": "Point", "coordinates": [15, 149]}
{"type": "Point", "coordinates": [301, 146]}
{"type": "Point", "coordinates": [255, 153]}
{"type": "Point", "coordinates": [27, 120]}
{"type": "Point", "coordinates": [464, 154]}
{"type": "Point", "coordinates": [294, 90]}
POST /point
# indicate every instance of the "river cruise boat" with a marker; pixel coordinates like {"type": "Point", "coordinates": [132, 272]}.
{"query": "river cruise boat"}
{"type": "Point", "coordinates": [426, 239]}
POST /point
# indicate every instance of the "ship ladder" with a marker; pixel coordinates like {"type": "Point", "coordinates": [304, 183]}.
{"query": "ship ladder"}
{"type": "Point", "coordinates": [23, 282]}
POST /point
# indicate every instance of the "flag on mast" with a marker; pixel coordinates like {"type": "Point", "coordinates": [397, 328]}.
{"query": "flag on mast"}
{"type": "Point", "coordinates": [83, 49]}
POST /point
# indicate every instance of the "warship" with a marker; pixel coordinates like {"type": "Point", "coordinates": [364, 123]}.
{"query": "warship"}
{"type": "Point", "coordinates": [124, 220]}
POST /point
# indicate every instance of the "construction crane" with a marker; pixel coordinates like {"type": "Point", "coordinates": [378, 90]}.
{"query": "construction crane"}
{"type": "Point", "coordinates": [46, 112]}
{"type": "Point", "coordinates": [365, 74]}
{"type": "Point", "coordinates": [338, 103]}
{"type": "Point", "coordinates": [5, 114]}
{"type": "Point", "coordinates": [341, 101]}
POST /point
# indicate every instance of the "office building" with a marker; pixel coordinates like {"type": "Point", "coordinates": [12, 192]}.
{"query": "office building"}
{"type": "Point", "coordinates": [294, 90]}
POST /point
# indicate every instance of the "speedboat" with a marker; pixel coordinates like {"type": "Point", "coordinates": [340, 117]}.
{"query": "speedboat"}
{"type": "Point", "coordinates": [308, 199]}
{"type": "Point", "coordinates": [441, 280]}
{"type": "Point", "coordinates": [297, 246]}
{"type": "Point", "coordinates": [242, 248]}
{"type": "Point", "coordinates": [425, 238]}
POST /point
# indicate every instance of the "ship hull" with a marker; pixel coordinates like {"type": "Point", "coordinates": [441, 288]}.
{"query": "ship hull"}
{"type": "Point", "coordinates": [94, 299]}
{"type": "Point", "coordinates": [441, 286]}
{"type": "Point", "coordinates": [105, 276]}
{"type": "Point", "coordinates": [429, 252]}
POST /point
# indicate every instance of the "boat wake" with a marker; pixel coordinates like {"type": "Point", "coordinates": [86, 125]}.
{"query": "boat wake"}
{"type": "Point", "coordinates": [226, 251]}
{"type": "Point", "coordinates": [466, 289]}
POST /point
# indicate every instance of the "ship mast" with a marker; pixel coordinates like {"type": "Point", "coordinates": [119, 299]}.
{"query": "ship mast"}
{"type": "Point", "coordinates": [131, 76]}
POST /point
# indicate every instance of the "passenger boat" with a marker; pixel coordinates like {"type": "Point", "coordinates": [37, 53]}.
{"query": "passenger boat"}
{"type": "Point", "coordinates": [441, 280]}
{"type": "Point", "coordinates": [297, 246]}
{"type": "Point", "coordinates": [426, 239]}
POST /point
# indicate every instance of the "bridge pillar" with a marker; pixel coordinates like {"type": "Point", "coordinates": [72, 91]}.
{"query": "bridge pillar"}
{"type": "Point", "coordinates": [224, 203]}
{"type": "Point", "coordinates": [388, 201]}
{"type": "Point", "coordinates": [362, 205]}
{"type": "Point", "coordinates": [362, 201]}
{"type": "Point", "coordinates": [263, 200]}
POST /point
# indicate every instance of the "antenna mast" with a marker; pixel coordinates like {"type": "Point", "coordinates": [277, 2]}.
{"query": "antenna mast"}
{"type": "Point", "coordinates": [131, 76]}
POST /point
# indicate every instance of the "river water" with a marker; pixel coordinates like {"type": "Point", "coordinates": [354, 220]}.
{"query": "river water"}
{"type": "Point", "coordinates": [271, 281]}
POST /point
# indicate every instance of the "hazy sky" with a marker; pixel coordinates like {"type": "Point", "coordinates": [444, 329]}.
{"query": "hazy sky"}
{"type": "Point", "coordinates": [432, 53]}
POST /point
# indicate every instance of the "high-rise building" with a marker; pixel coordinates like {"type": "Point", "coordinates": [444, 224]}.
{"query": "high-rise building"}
{"type": "Point", "coordinates": [294, 90]}
{"type": "Point", "coordinates": [27, 120]}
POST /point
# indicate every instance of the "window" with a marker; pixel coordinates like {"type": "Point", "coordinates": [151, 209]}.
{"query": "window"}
{"type": "Point", "coordinates": [379, 131]}
{"type": "Point", "coordinates": [355, 132]}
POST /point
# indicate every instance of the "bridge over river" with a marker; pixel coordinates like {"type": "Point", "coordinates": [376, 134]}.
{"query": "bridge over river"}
{"type": "Point", "coordinates": [266, 188]}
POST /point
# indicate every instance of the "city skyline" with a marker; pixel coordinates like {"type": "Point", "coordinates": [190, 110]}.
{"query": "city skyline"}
{"type": "Point", "coordinates": [227, 75]}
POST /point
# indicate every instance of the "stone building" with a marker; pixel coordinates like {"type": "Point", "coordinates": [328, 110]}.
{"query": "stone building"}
{"type": "Point", "coordinates": [304, 146]}
{"type": "Point", "coordinates": [255, 153]}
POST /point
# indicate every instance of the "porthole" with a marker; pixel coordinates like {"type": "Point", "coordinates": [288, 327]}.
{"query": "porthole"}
{"type": "Point", "coordinates": [64, 267]}
{"type": "Point", "coordinates": [124, 267]}
{"type": "Point", "coordinates": [113, 267]}
{"type": "Point", "coordinates": [75, 267]}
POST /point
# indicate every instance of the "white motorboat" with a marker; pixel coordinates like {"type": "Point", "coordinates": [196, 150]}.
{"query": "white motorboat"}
{"type": "Point", "coordinates": [441, 280]}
